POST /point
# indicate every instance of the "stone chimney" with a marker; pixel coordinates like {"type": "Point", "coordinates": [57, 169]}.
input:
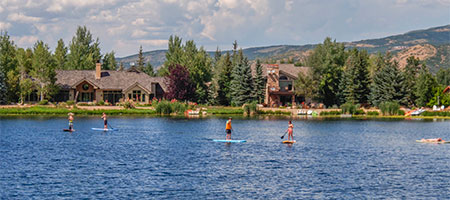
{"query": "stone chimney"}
{"type": "Point", "coordinates": [98, 70]}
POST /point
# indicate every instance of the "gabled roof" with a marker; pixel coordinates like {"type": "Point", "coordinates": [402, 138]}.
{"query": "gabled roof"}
{"type": "Point", "coordinates": [110, 79]}
{"type": "Point", "coordinates": [288, 69]}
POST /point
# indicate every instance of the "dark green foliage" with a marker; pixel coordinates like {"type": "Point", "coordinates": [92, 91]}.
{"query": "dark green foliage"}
{"type": "Point", "coordinates": [8, 63]}
{"type": "Point", "coordinates": [327, 61]}
{"type": "Point", "coordinates": [349, 108]}
{"type": "Point", "coordinates": [3, 87]}
{"type": "Point", "coordinates": [434, 113]}
{"type": "Point", "coordinates": [438, 97]}
{"type": "Point", "coordinates": [109, 61]}
{"type": "Point", "coordinates": [355, 80]}
{"type": "Point", "coordinates": [250, 108]}
{"type": "Point", "coordinates": [388, 82]}
{"type": "Point", "coordinates": [223, 71]}
{"type": "Point", "coordinates": [443, 76]}
{"type": "Point", "coordinates": [325, 113]}
{"type": "Point", "coordinates": [167, 107]}
{"type": "Point", "coordinates": [60, 55]}
{"type": "Point", "coordinates": [241, 84]}
{"type": "Point", "coordinates": [424, 87]}
{"type": "Point", "coordinates": [84, 51]}
{"type": "Point", "coordinates": [411, 73]}
{"type": "Point", "coordinates": [390, 108]}
{"type": "Point", "coordinates": [305, 85]}
{"type": "Point", "coordinates": [259, 84]}
{"type": "Point", "coordinates": [43, 102]}
{"type": "Point", "coordinates": [148, 69]}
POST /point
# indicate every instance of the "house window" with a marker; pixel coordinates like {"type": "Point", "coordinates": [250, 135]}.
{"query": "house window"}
{"type": "Point", "coordinates": [137, 96]}
{"type": "Point", "coordinates": [112, 96]}
{"type": "Point", "coordinates": [86, 96]}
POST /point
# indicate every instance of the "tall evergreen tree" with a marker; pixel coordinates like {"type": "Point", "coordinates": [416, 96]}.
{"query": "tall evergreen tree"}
{"type": "Point", "coordinates": [84, 51]}
{"type": "Point", "coordinates": [388, 83]}
{"type": "Point", "coordinates": [149, 70]}
{"type": "Point", "coordinates": [174, 55]}
{"type": "Point", "coordinates": [327, 61]}
{"type": "Point", "coordinates": [141, 60]}
{"type": "Point", "coordinates": [443, 77]}
{"type": "Point", "coordinates": [424, 86]}
{"type": "Point", "coordinates": [109, 61]}
{"type": "Point", "coordinates": [60, 55]}
{"type": "Point", "coordinates": [259, 84]}
{"type": "Point", "coordinates": [355, 80]}
{"type": "Point", "coordinates": [411, 72]}
{"type": "Point", "coordinates": [43, 70]}
{"type": "Point", "coordinates": [223, 78]}
{"type": "Point", "coordinates": [242, 83]}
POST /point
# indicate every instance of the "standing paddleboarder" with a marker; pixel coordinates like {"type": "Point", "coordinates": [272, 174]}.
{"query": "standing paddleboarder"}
{"type": "Point", "coordinates": [105, 121]}
{"type": "Point", "coordinates": [228, 129]}
{"type": "Point", "coordinates": [70, 121]}
{"type": "Point", "coordinates": [290, 131]}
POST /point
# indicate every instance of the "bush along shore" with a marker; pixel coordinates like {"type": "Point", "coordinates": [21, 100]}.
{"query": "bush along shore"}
{"type": "Point", "coordinates": [166, 108]}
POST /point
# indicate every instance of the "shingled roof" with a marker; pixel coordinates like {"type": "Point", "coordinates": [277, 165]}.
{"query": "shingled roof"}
{"type": "Point", "coordinates": [288, 69]}
{"type": "Point", "coordinates": [110, 79]}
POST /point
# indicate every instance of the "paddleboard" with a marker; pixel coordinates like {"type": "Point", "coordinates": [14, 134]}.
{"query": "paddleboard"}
{"type": "Point", "coordinates": [102, 129]}
{"type": "Point", "coordinates": [432, 142]}
{"type": "Point", "coordinates": [289, 141]}
{"type": "Point", "coordinates": [68, 130]}
{"type": "Point", "coordinates": [230, 141]}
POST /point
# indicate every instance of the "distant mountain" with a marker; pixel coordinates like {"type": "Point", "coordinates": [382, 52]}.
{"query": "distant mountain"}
{"type": "Point", "coordinates": [431, 45]}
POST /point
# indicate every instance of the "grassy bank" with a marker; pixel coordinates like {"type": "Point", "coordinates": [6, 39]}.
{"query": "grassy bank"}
{"type": "Point", "coordinates": [43, 110]}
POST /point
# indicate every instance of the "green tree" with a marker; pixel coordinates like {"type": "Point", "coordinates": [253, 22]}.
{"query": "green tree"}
{"type": "Point", "coordinates": [388, 83]}
{"type": "Point", "coordinates": [60, 55]}
{"type": "Point", "coordinates": [223, 69]}
{"type": "Point", "coordinates": [259, 84]}
{"type": "Point", "coordinates": [141, 60]}
{"type": "Point", "coordinates": [24, 65]}
{"type": "Point", "coordinates": [355, 81]}
{"type": "Point", "coordinates": [443, 76]}
{"type": "Point", "coordinates": [411, 72]}
{"type": "Point", "coordinates": [424, 86]}
{"type": "Point", "coordinates": [327, 61]}
{"type": "Point", "coordinates": [8, 63]}
{"type": "Point", "coordinates": [173, 55]}
{"type": "Point", "coordinates": [241, 84]}
{"type": "Point", "coordinates": [109, 61]}
{"type": "Point", "coordinates": [149, 70]}
{"type": "Point", "coordinates": [303, 85]}
{"type": "Point", "coordinates": [43, 70]}
{"type": "Point", "coordinates": [84, 51]}
{"type": "Point", "coordinates": [26, 88]}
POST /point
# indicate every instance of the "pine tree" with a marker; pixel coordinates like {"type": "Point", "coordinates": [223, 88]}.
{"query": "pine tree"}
{"type": "Point", "coordinates": [149, 70]}
{"type": "Point", "coordinates": [355, 81]}
{"type": "Point", "coordinates": [443, 77]}
{"type": "Point", "coordinates": [224, 70]}
{"type": "Point", "coordinates": [411, 73]}
{"type": "Point", "coordinates": [242, 83]}
{"type": "Point", "coordinates": [60, 55]}
{"type": "Point", "coordinates": [84, 51]}
{"type": "Point", "coordinates": [8, 63]}
{"type": "Point", "coordinates": [388, 83]}
{"type": "Point", "coordinates": [141, 60]}
{"type": "Point", "coordinates": [109, 61]}
{"type": "Point", "coordinates": [259, 84]}
{"type": "Point", "coordinates": [43, 70]}
{"type": "Point", "coordinates": [121, 67]}
{"type": "Point", "coordinates": [424, 87]}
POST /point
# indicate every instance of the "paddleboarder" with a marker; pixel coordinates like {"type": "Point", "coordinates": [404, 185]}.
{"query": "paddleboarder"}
{"type": "Point", "coordinates": [70, 121]}
{"type": "Point", "coordinates": [228, 129]}
{"type": "Point", "coordinates": [290, 131]}
{"type": "Point", "coordinates": [105, 121]}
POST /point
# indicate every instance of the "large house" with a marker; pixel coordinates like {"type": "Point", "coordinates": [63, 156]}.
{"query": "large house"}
{"type": "Point", "coordinates": [108, 85]}
{"type": "Point", "coordinates": [280, 84]}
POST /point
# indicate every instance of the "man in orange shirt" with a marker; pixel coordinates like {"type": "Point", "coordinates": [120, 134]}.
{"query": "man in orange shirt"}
{"type": "Point", "coordinates": [228, 129]}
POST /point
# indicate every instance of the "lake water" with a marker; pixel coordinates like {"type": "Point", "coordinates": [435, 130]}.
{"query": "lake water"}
{"type": "Point", "coordinates": [173, 158]}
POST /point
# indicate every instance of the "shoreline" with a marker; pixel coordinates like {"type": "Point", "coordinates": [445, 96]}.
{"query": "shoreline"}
{"type": "Point", "coordinates": [210, 111]}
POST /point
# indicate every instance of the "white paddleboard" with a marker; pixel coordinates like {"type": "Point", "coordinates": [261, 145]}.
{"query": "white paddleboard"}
{"type": "Point", "coordinates": [103, 129]}
{"type": "Point", "coordinates": [230, 141]}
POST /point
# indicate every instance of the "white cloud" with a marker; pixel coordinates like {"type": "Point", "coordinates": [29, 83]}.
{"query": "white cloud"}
{"type": "Point", "coordinates": [20, 17]}
{"type": "Point", "coordinates": [139, 33]}
{"type": "Point", "coordinates": [158, 43]}
{"type": "Point", "coordinates": [5, 25]}
{"type": "Point", "coordinates": [103, 16]}
{"type": "Point", "coordinates": [25, 41]}
{"type": "Point", "coordinates": [138, 22]}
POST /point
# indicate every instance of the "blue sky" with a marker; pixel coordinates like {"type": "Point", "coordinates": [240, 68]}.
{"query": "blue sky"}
{"type": "Point", "coordinates": [123, 26]}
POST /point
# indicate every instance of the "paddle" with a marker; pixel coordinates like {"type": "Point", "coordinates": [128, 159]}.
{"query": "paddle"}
{"type": "Point", "coordinates": [110, 126]}
{"type": "Point", "coordinates": [283, 135]}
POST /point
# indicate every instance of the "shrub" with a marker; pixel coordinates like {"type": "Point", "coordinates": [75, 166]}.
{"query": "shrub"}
{"type": "Point", "coordinates": [250, 108]}
{"type": "Point", "coordinates": [359, 112]}
{"type": "Point", "coordinates": [128, 105]}
{"type": "Point", "coordinates": [333, 112]}
{"type": "Point", "coordinates": [373, 113]}
{"type": "Point", "coordinates": [43, 102]}
{"type": "Point", "coordinates": [82, 104]}
{"type": "Point", "coordinates": [163, 107]}
{"type": "Point", "coordinates": [178, 107]}
{"type": "Point", "coordinates": [390, 108]}
{"type": "Point", "coordinates": [349, 108]}
{"type": "Point", "coordinates": [100, 103]}
{"type": "Point", "coordinates": [70, 102]}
